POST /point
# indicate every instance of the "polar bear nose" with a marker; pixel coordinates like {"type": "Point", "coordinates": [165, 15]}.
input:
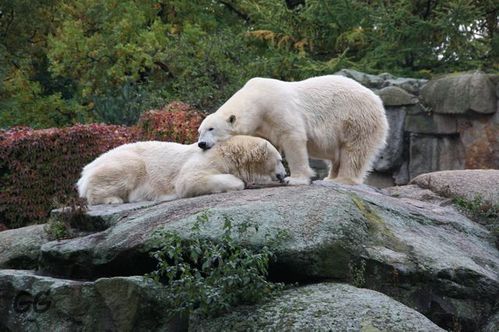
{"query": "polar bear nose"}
{"type": "Point", "coordinates": [203, 145]}
{"type": "Point", "coordinates": [280, 177]}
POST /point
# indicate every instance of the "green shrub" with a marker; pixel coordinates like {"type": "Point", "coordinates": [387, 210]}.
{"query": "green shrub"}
{"type": "Point", "coordinates": [212, 275]}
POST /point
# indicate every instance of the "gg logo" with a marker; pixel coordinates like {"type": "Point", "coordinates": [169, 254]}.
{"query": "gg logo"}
{"type": "Point", "coordinates": [24, 300]}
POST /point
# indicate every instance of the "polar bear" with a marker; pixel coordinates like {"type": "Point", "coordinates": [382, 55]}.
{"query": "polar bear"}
{"type": "Point", "coordinates": [164, 171]}
{"type": "Point", "coordinates": [331, 117]}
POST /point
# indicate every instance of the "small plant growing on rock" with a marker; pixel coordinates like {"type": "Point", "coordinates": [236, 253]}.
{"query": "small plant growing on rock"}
{"type": "Point", "coordinates": [478, 207]}
{"type": "Point", "coordinates": [482, 212]}
{"type": "Point", "coordinates": [213, 275]}
{"type": "Point", "coordinates": [357, 271]}
{"type": "Point", "coordinates": [57, 229]}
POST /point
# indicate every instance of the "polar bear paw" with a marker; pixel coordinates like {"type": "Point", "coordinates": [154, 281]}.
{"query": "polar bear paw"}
{"type": "Point", "coordinates": [343, 180]}
{"type": "Point", "coordinates": [112, 200]}
{"type": "Point", "coordinates": [296, 181]}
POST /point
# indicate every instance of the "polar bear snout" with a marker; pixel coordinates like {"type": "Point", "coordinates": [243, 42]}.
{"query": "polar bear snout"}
{"type": "Point", "coordinates": [204, 145]}
{"type": "Point", "coordinates": [280, 177]}
{"type": "Point", "coordinates": [280, 172]}
{"type": "Point", "coordinates": [206, 140]}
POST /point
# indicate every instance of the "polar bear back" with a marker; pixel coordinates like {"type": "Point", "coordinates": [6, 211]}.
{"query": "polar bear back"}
{"type": "Point", "coordinates": [329, 110]}
{"type": "Point", "coordinates": [151, 162]}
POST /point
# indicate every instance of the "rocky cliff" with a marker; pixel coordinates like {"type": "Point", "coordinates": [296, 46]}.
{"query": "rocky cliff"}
{"type": "Point", "coordinates": [354, 257]}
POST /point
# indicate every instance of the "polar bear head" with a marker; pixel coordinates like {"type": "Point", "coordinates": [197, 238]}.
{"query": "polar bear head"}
{"type": "Point", "coordinates": [252, 159]}
{"type": "Point", "coordinates": [215, 128]}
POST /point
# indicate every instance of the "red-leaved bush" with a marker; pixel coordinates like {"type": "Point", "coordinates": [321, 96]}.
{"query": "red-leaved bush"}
{"type": "Point", "coordinates": [39, 168]}
{"type": "Point", "coordinates": [176, 122]}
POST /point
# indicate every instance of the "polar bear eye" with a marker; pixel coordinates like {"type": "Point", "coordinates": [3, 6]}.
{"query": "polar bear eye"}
{"type": "Point", "coordinates": [210, 129]}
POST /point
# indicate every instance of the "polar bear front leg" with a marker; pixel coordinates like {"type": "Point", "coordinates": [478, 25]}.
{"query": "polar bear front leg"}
{"type": "Point", "coordinates": [204, 184]}
{"type": "Point", "coordinates": [296, 154]}
{"type": "Point", "coordinates": [221, 183]}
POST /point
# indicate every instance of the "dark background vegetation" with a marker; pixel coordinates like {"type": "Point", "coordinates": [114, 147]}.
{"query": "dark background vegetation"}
{"type": "Point", "coordinates": [69, 61]}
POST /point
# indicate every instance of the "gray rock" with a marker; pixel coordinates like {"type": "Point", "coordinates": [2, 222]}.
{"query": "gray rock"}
{"type": "Point", "coordinates": [391, 156]}
{"type": "Point", "coordinates": [377, 82]}
{"type": "Point", "coordinates": [493, 324]}
{"type": "Point", "coordinates": [460, 93]}
{"type": "Point", "coordinates": [379, 180]}
{"type": "Point", "coordinates": [395, 96]}
{"type": "Point", "coordinates": [467, 184]}
{"type": "Point", "coordinates": [429, 153]}
{"type": "Point", "coordinates": [479, 136]}
{"type": "Point", "coordinates": [99, 217]}
{"type": "Point", "coordinates": [428, 256]}
{"type": "Point", "coordinates": [321, 307]}
{"type": "Point", "coordinates": [29, 302]}
{"type": "Point", "coordinates": [414, 192]}
{"type": "Point", "coordinates": [494, 78]}
{"type": "Point", "coordinates": [401, 175]}
{"type": "Point", "coordinates": [20, 248]}
{"type": "Point", "coordinates": [410, 85]}
{"type": "Point", "coordinates": [320, 168]}
{"type": "Point", "coordinates": [370, 81]}
{"type": "Point", "coordinates": [431, 123]}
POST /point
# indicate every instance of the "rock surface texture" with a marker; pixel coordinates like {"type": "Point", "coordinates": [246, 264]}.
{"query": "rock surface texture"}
{"type": "Point", "coordinates": [408, 243]}
{"type": "Point", "coordinates": [335, 307]}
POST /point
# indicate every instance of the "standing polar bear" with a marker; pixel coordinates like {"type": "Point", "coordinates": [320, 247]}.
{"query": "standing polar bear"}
{"type": "Point", "coordinates": [332, 118]}
{"type": "Point", "coordinates": [164, 171]}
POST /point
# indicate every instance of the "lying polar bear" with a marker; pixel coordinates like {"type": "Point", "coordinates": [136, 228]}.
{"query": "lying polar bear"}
{"type": "Point", "coordinates": [165, 171]}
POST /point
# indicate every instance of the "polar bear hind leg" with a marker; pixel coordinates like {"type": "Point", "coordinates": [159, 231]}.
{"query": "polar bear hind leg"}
{"type": "Point", "coordinates": [111, 184]}
{"type": "Point", "coordinates": [166, 198]}
{"type": "Point", "coordinates": [112, 200]}
{"type": "Point", "coordinates": [353, 165]}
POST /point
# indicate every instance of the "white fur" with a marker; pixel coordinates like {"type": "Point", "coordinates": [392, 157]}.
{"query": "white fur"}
{"type": "Point", "coordinates": [165, 171]}
{"type": "Point", "coordinates": [332, 118]}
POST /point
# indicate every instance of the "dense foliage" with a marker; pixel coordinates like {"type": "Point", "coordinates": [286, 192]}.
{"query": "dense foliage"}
{"type": "Point", "coordinates": [39, 168]}
{"type": "Point", "coordinates": [211, 276]}
{"type": "Point", "coordinates": [63, 62]}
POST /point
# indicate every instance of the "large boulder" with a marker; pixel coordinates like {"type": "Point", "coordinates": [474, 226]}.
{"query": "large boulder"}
{"type": "Point", "coordinates": [20, 248]}
{"type": "Point", "coordinates": [428, 153]}
{"type": "Point", "coordinates": [29, 302]}
{"type": "Point", "coordinates": [468, 184]}
{"type": "Point", "coordinates": [427, 256]}
{"type": "Point", "coordinates": [395, 96]}
{"type": "Point", "coordinates": [392, 155]}
{"type": "Point", "coordinates": [321, 307]}
{"type": "Point", "coordinates": [461, 93]}
{"type": "Point", "coordinates": [376, 82]}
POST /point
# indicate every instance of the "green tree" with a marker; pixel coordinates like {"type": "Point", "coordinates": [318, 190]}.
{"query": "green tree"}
{"type": "Point", "coordinates": [63, 61]}
{"type": "Point", "coordinates": [28, 93]}
{"type": "Point", "coordinates": [402, 36]}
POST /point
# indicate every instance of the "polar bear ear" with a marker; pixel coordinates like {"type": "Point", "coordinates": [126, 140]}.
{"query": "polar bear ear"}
{"type": "Point", "coordinates": [231, 119]}
{"type": "Point", "coordinates": [264, 146]}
